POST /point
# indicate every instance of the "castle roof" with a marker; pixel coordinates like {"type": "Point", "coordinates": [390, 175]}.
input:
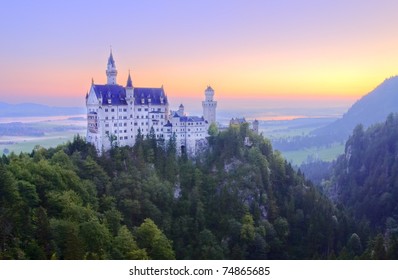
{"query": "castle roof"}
{"type": "Point", "coordinates": [116, 94]}
{"type": "Point", "coordinates": [149, 95]}
{"type": "Point", "coordinates": [111, 94]}
{"type": "Point", "coordinates": [191, 119]}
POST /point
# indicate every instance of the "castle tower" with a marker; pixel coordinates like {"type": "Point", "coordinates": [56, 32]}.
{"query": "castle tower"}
{"type": "Point", "coordinates": [209, 106]}
{"type": "Point", "coordinates": [255, 126]}
{"type": "Point", "coordinates": [181, 110]}
{"type": "Point", "coordinates": [129, 88]}
{"type": "Point", "coordinates": [111, 71]}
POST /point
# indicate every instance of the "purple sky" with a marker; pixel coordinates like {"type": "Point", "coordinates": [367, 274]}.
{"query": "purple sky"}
{"type": "Point", "coordinates": [317, 50]}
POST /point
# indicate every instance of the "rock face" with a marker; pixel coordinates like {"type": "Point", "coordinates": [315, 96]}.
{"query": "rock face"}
{"type": "Point", "coordinates": [370, 109]}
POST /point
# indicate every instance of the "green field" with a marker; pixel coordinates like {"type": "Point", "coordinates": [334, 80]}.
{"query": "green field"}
{"type": "Point", "coordinates": [323, 153]}
{"type": "Point", "coordinates": [24, 135]}
{"type": "Point", "coordinates": [47, 141]}
{"type": "Point", "coordinates": [275, 130]}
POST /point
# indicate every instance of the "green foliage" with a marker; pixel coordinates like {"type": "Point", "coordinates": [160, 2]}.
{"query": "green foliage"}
{"type": "Point", "coordinates": [233, 201]}
{"type": "Point", "coordinates": [150, 237]}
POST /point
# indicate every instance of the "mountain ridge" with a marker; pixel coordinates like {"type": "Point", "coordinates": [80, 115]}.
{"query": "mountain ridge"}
{"type": "Point", "coordinates": [36, 110]}
{"type": "Point", "coordinates": [372, 108]}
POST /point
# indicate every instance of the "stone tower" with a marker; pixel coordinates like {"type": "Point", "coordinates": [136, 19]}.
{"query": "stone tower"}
{"type": "Point", "coordinates": [209, 106]}
{"type": "Point", "coordinates": [255, 126]}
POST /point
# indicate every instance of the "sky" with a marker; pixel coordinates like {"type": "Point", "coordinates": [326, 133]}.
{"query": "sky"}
{"type": "Point", "coordinates": [273, 52]}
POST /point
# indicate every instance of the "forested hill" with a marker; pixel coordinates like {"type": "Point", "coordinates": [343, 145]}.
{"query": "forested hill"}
{"type": "Point", "coordinates": [235, 201]}
{"type": "Point", "coordinates": [365, 180]}
{"type": "Point", "coordinates": [366, 176]}
{"type": "Point", "coordinates": [370, 109]}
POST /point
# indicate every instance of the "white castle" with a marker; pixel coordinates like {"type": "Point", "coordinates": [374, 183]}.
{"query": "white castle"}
{"type": "Point", "coordinates": [117, 114]}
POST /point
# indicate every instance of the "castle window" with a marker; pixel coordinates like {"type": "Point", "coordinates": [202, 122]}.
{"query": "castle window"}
{"type": "Point", "coordinates": [112, 110]}
{"type": "Point", "coordinates": [131, 116]}
{"type": "Point", "coordinates": [125, 137]}
{"type": "Point", "coordinates": [139, 109]}
{"type": "Point", "coordinates": [107, 132]}
{"type": "Point", "coordinates": [121, 138]}
{"type": "Point", "coordinates": [146, 109]}
{"type": "Point", "coordinates": [115, 131]}
{"type": "Point", "coordinates": [125, 124]}
{"type": "Point", "coordinates": [124, 110]}
{"type": "Point", "coordinates": [106, 118]}
{"type": "Point", "coordinates": [153, 116]}
{"type": "Point", "coordinates": [113, 117]}
{"type": "Point", "coordinates": [120, 109]}
{"type": "Point", "coordinates": [125, 117]}
{"type": "Point", "coordinates": [135, 123]}
{"type": "Point", "coordinates": [125, 131]}
{"type": "Point", "coordinates": [106, 110]}
{"type": "Point", "coordinates": [107, 125]}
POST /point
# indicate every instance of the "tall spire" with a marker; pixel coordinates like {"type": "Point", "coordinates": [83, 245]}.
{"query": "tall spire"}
{"type": "Point", "coordinates": [111, 71]}
{"type": "Point", "coordinates": [111, 61]}
{"type": "Point", "coordinates": [129, 81]}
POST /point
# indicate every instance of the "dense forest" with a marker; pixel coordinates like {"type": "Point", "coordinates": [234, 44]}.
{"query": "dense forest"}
{"type": "Point", "coordinates": [238, 199]}
{"type": "Point", "coordinates": [365, 181]}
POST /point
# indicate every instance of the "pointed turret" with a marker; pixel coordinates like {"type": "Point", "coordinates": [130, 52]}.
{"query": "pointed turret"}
{"type": "Point", "coordinates": [129, 81]}
{"type": "Point", "coordinates": [111, 71]}
{"type": "Point", "coordinates": [129, 88]}
{"type": "Point", "coordinates": [111, 61]}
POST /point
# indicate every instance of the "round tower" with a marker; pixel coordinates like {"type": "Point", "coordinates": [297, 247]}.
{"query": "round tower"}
{"type": "Point", "coordinates": [181, 110]}
{"type": "Point", "coordinates": [255, 126]}
{"type": "Point", "coordinates": [111, 71]}
{"type": "Point", "coordinates": [209, 106]}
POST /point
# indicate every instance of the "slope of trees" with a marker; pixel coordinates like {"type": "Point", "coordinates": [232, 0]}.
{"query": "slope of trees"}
{"type": "Point", "coordinates": [147, 202]}
{"type": "Point", "coordinates": [365, 181]}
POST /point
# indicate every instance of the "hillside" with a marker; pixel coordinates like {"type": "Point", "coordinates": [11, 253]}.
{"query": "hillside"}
{"type": "Point", "coordinates": [235, 201]}
{"type": "Point", "coordinates": [36, 110]}
{"type": "Point", "coordinates": [365, 181]}
{"type": "Point", "coordinates": [370, 109]}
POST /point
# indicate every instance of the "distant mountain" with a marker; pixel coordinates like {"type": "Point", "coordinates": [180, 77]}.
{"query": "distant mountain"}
{"type": "Point", "coordinates": [36, 110]}
{"type": "Point", "coordinates": [370, 109]}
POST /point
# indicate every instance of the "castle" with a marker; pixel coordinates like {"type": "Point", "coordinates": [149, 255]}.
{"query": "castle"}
{"type": "Point", "coordinates": [117, 114]}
